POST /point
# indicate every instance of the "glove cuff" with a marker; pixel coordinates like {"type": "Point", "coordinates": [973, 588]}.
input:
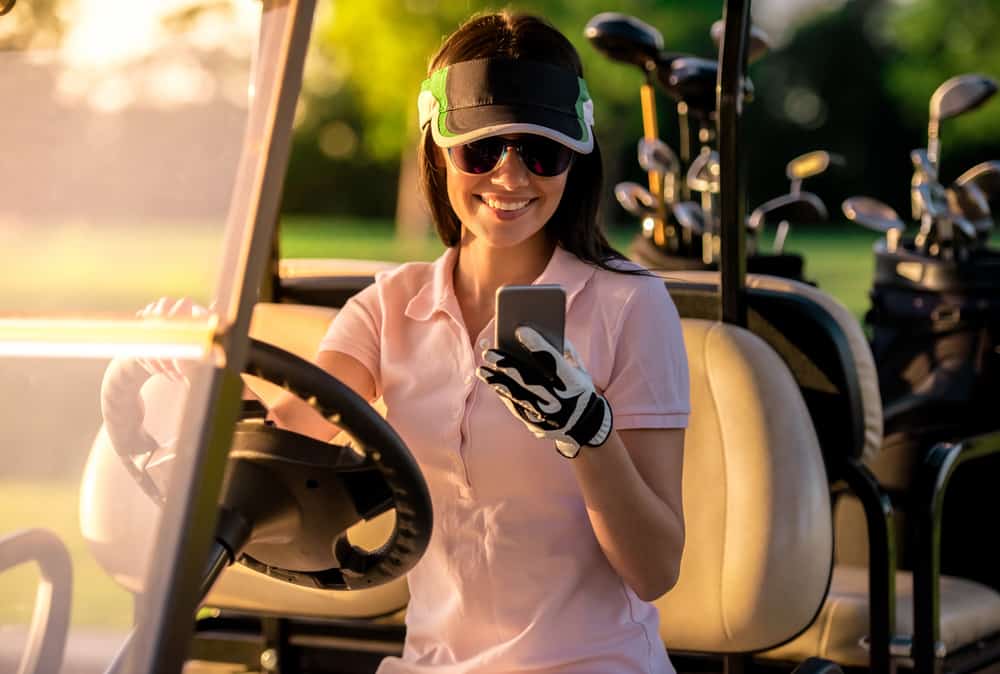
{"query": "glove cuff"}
{"type": "Point", "coordinates": [592, 429]}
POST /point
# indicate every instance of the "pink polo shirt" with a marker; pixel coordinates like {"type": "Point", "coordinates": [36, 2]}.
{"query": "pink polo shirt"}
{"type": "Point", "coordinates": [513, 579]}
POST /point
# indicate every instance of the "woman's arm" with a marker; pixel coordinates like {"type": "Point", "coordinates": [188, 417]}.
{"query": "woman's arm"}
{"type": "Point", "coordinates": [294, 414]}
{"type": "Point", "coordinates": [632, 488]}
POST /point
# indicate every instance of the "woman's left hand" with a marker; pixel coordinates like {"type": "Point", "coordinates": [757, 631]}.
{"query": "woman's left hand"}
{"type": "Point", "coordinates": [550, 392]}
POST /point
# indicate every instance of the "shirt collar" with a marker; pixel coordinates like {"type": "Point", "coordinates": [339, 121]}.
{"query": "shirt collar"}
{"type": "Point", "coordinates": [438, 293]}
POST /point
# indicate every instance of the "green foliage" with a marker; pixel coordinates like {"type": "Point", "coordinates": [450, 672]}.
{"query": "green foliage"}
{"type": "Point", "coordinates": [382, 47]}
{"type": "Point", "coordinates": [937, 39]}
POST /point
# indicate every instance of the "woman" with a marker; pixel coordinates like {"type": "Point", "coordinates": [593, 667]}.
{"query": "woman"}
{"type": "Point", "coordinates": [540, 560]}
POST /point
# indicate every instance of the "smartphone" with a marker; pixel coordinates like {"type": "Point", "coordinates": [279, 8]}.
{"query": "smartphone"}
{"type": "Point", "coordinates": [542, 307]}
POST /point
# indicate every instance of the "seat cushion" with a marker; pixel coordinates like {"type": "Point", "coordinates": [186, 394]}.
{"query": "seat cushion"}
{"type": "Point", "coordinates": [969, 611]}
{"type": "Point", "coordinates": [751, 574]}
{"type": "Point", "coordinates": [862, 361]}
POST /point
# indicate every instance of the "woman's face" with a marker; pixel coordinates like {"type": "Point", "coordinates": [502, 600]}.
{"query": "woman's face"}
{"type": "Point", "coordinates": [506, 206]}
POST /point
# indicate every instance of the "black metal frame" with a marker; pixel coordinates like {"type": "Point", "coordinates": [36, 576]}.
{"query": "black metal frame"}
{"type": "Point", "coordinates": [936, 472]}
{"type": "Point", "coordinates": [733, 198]}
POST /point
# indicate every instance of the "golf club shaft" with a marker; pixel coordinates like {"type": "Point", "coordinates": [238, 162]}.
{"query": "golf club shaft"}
{"type": "Point", "coordinates": [651, 132]}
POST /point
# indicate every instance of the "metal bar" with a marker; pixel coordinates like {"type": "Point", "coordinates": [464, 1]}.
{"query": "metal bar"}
{"type": "Point", "coordinates": [881, 563]}
{"type": "Point", "coordinates": [46, 641]}
{"type": "Point", "coordinates": [932, 482]}
{"type": "Point", "coordinates": [188, 519]}
{"type": "Point", "coordinates": [732, 263]}
{"type": "Point", "coordinates": [651, 131]}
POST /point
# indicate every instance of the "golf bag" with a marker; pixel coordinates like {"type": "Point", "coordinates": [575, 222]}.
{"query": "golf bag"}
{"type": "Point", "coordinates": [647, 253]}
{"type": "Point", "coordinates": [935, 327]}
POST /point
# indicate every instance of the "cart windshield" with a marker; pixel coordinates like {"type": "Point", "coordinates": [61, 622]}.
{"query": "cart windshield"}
{"type": "Point", "coordinates": [123, 130]}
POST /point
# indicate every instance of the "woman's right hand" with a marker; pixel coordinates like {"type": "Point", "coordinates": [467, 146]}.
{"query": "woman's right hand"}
{"type": "Point", "coordinates": [168, 308]}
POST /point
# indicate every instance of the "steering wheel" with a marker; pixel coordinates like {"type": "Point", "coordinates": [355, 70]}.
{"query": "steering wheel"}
{"type": "Point", "coordinates": [314, 490]}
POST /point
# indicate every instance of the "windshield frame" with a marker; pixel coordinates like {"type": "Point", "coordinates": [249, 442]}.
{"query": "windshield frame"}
{"type": "Point", "coordinates": [163, 634]}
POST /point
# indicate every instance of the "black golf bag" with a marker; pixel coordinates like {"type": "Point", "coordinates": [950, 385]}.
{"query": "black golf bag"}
{"type": "Point", "coordinates": [935, 336]}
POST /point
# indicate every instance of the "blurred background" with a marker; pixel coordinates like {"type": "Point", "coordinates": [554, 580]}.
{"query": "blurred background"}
{"type": "Point", "coordinates": [850, 77]}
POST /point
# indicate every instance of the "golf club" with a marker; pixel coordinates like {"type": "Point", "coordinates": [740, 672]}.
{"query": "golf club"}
{"type": "Point", "coordinates": [809, 165]}
{"type": "Point", "coordinates": [656, 156]}
{"type": "Point", "coordinates": [954, 97]}
{"type": "Point", "coordinates": [799, 207]}
{"type": "Point", "coordinates": [758, 45]}
{"type": "Point", "coordinates": [628, 40]}
{"type": "Point", "coordinates": [876, 216]}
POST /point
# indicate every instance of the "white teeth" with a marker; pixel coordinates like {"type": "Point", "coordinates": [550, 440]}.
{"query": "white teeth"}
{"type": "Point", "coordinates": [505, 205]}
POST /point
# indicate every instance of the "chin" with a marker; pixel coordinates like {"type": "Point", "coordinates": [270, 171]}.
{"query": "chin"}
{"type": "Point", "coordinates": [498, 238]}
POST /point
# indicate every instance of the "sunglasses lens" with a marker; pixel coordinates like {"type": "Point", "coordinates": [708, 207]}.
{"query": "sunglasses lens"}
{"type": "Point", "coordinates": [544, 157]}
{"type": "Point", "coordinates": [479, 156]}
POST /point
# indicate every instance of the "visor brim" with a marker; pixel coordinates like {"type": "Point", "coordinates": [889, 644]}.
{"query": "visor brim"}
{"type": "Point", "coordinates": [469, 124]}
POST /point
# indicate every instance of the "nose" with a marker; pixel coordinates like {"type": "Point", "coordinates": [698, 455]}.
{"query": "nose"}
{"type": "Point", "coordinates": [511, 172]}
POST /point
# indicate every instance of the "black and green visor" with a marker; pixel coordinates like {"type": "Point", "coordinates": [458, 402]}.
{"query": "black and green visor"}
{"type": "Point", "coordinates": [490, 97]}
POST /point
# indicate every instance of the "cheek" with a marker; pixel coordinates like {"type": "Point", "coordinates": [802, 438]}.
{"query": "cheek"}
{"type": "Point", "coordinates": [554, 194]}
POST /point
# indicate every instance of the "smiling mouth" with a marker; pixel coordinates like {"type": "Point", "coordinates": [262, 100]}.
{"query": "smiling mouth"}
{"type": "Point", "coordinates": [506, 205]}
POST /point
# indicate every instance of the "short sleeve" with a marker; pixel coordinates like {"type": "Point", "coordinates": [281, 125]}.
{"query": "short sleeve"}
{"type": "Point", "coordinates": [649, 385]}
{"type": "Point", "coordinates": [356, 331]}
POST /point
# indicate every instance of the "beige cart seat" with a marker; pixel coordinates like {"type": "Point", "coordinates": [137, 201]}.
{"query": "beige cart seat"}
{"type": "Point", "coordinates": [969, 611]}
{"type": "Point", "coordinates": [752, 577]}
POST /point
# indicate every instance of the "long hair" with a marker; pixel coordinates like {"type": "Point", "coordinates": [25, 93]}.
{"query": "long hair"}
{"type": "Point", "coordinates": [574, 225]}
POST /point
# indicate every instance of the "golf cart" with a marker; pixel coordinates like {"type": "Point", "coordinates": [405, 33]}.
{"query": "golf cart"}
{"type": "Point", "coordinates": [188, 502]}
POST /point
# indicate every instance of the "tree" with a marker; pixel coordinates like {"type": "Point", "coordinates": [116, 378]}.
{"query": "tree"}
{"type": "Point", "coordinates": [382, 48]}
{"type": "Point", "coordinates": [939, 39]}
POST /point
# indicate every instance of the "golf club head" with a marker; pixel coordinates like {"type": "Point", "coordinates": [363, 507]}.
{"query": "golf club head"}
{"type": "Point", "coordinates": [689, 215]}
{"type": "Point", "coordinates": [703, 174]}
{"type": "Point", "coordinates": [924, 170]}
{"type": "Point", "coordinates": [873, 214]}
{"type": "Point", "coordinates": [969, 202]}
{"type": "Point", "coordinates": [960, 94]}
{"type": "Point", "coordinates": [985, 176]}
{"type": "Point", "coordinates": [655, 155]}
{"type": "Point", "coordinates": [925, 201]}
{"type": "Point", "coordinates": [693, 80]}
{"type": "Point", "coordinates": [760, 42]}
{"type": "Point", "coordinates": [635, 199]}
{"type": "Point", "coordinates": [812, 164]}
{"type": "Point", "coordinates": [625, 38]}
{"type": "Point", "coordinates": [803, 208]}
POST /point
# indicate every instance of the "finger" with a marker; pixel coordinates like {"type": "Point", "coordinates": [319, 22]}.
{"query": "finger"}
{"type": "Point", "coordinates": [529, 370]}
{"type": "Point", "coordinates": [533, 340]}
{"type": "Point", "coordinates": [538, 401]}
{"type": "Point", "coordinates": [185, 307]}
{"type": "Point", "coordinates": [503, 359]}
{"type": "Point", "coordinates": [519, 408]}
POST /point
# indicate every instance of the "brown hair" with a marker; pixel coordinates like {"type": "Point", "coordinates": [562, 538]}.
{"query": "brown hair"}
{"type": "Point", "coordinates": [574, 225]}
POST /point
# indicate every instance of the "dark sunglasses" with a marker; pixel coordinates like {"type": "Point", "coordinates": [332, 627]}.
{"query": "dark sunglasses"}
{"type": "Point", "coordinates": [543, 157]}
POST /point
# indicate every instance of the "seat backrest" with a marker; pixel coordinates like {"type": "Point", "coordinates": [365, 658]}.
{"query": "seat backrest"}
{"type": "Point", "coordinates": [759, 544]}
{"type": "Point", "coordinates": [822, 344]}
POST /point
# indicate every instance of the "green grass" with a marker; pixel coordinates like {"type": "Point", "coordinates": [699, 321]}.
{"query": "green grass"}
{"type": "Point", "coordinates": [97, 600]}
{"type": "Point", "coordinates": [838, 255]}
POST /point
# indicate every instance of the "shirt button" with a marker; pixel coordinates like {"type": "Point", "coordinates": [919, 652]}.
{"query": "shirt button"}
{"type": "Point", "coordinates": [484, 343]}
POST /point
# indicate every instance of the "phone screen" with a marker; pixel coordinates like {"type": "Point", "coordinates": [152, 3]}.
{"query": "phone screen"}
{"type": "Point", "coordinates": [543, 307]}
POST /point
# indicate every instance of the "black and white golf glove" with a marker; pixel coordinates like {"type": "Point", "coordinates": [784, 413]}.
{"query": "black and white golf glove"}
{"type": "Point", "coordinates": [550, 392]}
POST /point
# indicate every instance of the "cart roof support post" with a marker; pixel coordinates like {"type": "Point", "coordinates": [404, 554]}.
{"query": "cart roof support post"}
{"type": "Point", "coordinates": [736, 19]}
{"type": "Point", "coordinates": [164, 631]}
